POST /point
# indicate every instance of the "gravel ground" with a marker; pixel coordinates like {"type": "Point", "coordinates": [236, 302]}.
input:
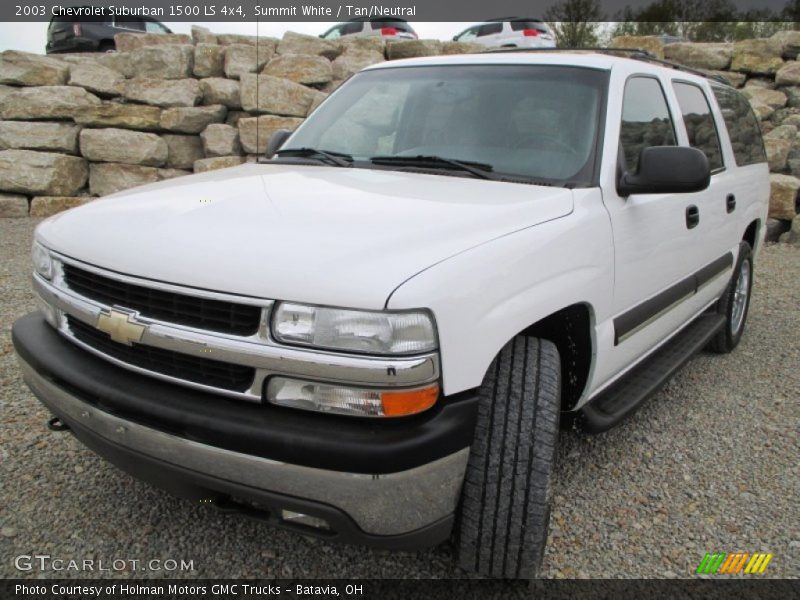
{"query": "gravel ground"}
{"type": "Point", "coordinates": [710, 464]}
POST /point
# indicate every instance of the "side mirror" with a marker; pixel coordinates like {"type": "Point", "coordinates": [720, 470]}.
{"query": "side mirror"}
{"type": "Point", "coordinates": [666, 170]}
{"type": "Point", "coordinates": [276, 141]}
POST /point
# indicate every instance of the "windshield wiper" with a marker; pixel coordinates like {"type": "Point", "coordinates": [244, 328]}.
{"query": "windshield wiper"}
{"type": "Point", "coordinates": [482, 170]}
{"type": "Point", "coordinates": [339, 159]}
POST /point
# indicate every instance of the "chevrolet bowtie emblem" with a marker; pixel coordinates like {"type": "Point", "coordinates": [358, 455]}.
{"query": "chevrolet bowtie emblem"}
{"type": "Point", "coordinates": [121, 326]}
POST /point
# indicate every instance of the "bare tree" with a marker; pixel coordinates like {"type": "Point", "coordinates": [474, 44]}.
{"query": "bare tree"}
{"type": "Point", "coordinates": [575, 22]}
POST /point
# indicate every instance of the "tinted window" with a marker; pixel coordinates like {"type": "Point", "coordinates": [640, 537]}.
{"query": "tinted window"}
{"type": "Point", "coordinates": [699, 122]}
{"type": "Point", "coordinates": [646, 120]}
{"type": "Point", "coordinates": [520, 25]}
{"type": "Point", "coordinates": [742, 126]}
{"type": "Point", "coordinates": [59, 24]}
{"type": "Point", "coordinates": [527, 121]}
{"type": "Point", "coordinates": [136, 25]}
{"type": "Point", "coordinates": [399, 25]}
{"type": "Point", "coordinates": [350, 28]}
{"type": "Point", "coordinates": [490, 29]}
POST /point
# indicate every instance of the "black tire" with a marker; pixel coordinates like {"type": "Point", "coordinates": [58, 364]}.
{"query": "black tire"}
{"type": "Point", "coordinates": [505, 502]}
{"type": "Point", "coordinates": [107, 46]}
{"type": "Point", "coordinates": [728, 337]}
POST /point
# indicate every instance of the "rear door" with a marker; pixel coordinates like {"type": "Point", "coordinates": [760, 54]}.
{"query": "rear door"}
{"type": "Point", "coordinates": [716, 205]}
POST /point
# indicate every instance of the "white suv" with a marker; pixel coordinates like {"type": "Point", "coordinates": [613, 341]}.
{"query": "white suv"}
{"type": "Point", "coordinates": [373, 336]}
{"type": "Point", "coordinates": [513, 33]}
{"type": "Point", "coordinates": [395, 29]}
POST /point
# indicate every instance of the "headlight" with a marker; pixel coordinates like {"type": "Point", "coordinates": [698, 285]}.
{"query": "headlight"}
{"type": "Point", "coordinates": [42, 263]}
{"type": "Point", "coordinates": [410, 332]}
{"type": "Point", "coordinates": [345, 400]}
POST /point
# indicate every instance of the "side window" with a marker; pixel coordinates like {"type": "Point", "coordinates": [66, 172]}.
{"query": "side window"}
{"type": "Point", "coordinates": [469, 34]}
{"type": "Point", "coordinates": [351, 28]}
{"type": "Point", "coordinates": [646, 120]}
{"type": "Point", "coordinates": [154, 27]}
{"type": "Point", "coordinates": [135, 25]}
{"type": "Point", "coordinates": [490, 29]}
{"type": "Point", "coordinates": [699, 122]}
{"type": "Point", "coordinates": [334, 33]}
{"type": "Point", "coordinates": [742, 126]}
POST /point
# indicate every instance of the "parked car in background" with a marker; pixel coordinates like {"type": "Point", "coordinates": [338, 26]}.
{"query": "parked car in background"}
{"type": "Point", "coordinates": [77, 34]}
{"type": "Point", "coordinates": [671, 39]}
{"type": "Point", "coordinates": [394, 28]}
{"type": "Point", "coordinates": [509, 33]}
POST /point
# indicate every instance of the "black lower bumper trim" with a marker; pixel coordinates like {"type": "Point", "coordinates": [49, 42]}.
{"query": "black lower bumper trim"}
{"type": "Point", "coordinates": [282, 434]}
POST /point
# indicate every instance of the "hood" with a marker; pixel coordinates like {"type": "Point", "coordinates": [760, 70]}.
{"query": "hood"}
{"type": "Point", "coordinates": [318, 234]}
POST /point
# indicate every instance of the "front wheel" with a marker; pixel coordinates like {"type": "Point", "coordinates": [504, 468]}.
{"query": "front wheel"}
{"type": "Point", "coordinates": [505, 504]}
{"type": "Point", "coordinates": [735, 302]}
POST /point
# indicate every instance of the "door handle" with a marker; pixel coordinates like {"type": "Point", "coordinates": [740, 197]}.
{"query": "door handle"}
{"type": "Point", "coordinates": [692, 216]}
{"type": "Point", "coordinates": [730, 203]}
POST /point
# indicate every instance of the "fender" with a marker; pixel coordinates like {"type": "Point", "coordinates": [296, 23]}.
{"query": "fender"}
{"type": "Point", "coordinates": [485, 296]}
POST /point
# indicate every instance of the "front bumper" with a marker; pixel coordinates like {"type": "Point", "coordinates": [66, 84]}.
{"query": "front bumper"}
{"type": "Point", "coordinates": [393, 485]}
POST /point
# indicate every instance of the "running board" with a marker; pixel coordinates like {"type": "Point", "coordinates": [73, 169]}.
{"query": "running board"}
{"type": "Point", "coordinates": [620, 400]}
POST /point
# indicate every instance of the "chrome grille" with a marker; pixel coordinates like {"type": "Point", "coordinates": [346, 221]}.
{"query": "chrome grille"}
{"type": "Point", "coordinates": [182, 309]}
{"type": "Point", "coordinates": [204, 371]}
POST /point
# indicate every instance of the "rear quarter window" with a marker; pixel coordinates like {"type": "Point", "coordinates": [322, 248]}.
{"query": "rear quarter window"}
{"type": "Point", "coordinates": [490, 29]}
{"type": "Point", "coordinates": [742, 126]}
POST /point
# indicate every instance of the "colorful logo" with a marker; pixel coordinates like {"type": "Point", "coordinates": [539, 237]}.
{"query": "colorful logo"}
{"type": "Point", "coordinates": [720, 563]}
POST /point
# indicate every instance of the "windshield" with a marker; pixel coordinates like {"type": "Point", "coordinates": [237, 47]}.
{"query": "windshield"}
{"type": "Point", "coordinates": [524, 121]}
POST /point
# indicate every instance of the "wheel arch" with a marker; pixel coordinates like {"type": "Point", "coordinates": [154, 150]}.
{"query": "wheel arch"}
{"type": "Point", "coordinates": [751, 233]}
{"type": "Point", "coordinates": [570, 329]}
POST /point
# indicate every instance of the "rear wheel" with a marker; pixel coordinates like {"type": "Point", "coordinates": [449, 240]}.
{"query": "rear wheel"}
{"type": "Point", "coordinates": [505, 504]}
{"type": "Point", "coordinates": [735, 303]}
{"type": "Point", "coordinates": [107, 46]}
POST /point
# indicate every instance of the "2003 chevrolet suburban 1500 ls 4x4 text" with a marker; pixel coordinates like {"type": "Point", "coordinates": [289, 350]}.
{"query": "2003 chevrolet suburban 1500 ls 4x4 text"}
{"type": "Point", "coordinates": [373, 335]}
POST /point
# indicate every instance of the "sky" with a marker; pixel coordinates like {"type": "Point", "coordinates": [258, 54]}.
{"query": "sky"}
{"type": "Point", "coordinates": [30, 37]}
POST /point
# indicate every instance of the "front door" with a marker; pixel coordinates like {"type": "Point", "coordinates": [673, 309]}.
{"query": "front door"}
{"type": "Point", "coordinates": [658, 238]}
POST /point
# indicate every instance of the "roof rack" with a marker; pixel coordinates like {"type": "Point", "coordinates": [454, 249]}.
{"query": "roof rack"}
{"type": "Point", "coordinates": [633, 53]}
